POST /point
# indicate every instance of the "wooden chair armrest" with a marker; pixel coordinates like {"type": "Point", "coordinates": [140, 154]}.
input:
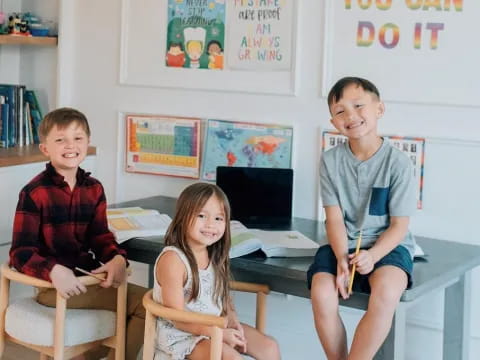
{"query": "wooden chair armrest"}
{"type": "Point", "coordinates": [249, 287]}
{"type": "Point", "coordinates": [16, 276]}
{"type": "Point", "coordinates": [181, 315]}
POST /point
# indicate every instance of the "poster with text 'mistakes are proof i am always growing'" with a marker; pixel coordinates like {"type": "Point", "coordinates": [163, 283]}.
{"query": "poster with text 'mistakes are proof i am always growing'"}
{"type": "Point", "coordinates": [163, 145]}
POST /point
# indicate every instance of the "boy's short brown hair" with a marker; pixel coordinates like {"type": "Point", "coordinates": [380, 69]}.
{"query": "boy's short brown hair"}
{"type": "Point", "coordinates": [62, 118]}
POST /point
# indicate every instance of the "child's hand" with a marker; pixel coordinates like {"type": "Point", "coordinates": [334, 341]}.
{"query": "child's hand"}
{"type": "Point", "coordinates": [234, 323]}
{"type": "Point", "coordinates": [235, 339]}
{"type": "Point", "coordinates": [363, 261]}
{"type": "Point", "coordinates": [65, 281]}
{"type": "Point", "coordinates": [342, 278]}
{"type": "Point", "coordinates": [116, 272]}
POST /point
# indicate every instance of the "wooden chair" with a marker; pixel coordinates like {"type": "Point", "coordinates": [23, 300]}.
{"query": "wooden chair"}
{"type": "Point", "coordinates": [59, 332]}
{"type": "Point", "coordinates": [154, 309]}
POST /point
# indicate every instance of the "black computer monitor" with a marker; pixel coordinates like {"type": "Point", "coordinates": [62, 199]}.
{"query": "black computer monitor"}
{"type": "Point", "coordinates": [259, 197]}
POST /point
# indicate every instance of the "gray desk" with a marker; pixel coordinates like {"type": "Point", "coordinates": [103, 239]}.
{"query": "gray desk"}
{"type": "Point", "coordinates": [449, 269]}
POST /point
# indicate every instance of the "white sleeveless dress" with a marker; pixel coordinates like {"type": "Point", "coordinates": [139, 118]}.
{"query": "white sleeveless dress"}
{"type": "Point", "coordinates": [174, 344]}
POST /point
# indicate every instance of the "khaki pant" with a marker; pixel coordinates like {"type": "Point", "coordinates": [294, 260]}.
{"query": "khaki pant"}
{"type": "Point", "coordinates": [106, 299]}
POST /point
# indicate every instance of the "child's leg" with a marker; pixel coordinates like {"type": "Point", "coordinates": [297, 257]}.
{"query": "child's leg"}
{"type": "Point", "coordinates": [260, 346]}
{"type": "Point", "coordinates": [105, 299]}
{"type": "Point", "coordinates": [202, 352]}
{"type": "Point", "coordinates": [328, 323]}
{"type": "Point", "coordinates": [387, 284]}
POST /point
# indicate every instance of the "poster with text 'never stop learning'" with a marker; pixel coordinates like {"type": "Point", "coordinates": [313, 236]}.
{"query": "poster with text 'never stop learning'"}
{"type": "Point", "coordinates": [163, 145]}
{"type": "Point", "coordinates": [195, 34]}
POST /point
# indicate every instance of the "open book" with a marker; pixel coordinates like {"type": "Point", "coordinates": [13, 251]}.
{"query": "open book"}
{"type": "Point", "coordinates": [272, 243]}
{"type": "Point", "coordinates": [127, 223]}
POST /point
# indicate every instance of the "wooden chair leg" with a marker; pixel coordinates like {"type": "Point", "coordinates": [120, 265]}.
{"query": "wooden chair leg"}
{"type": "Point", "coordinates": [61, 307]}
{"type": "Point", "coordinates": [43, 357]}
{"type": "Point", "coordinates": [4, 295]}
{"type": "Point", "coordinates": [121, 321]}
{"type": "Point", "coordinates": [261, 312]}
{"type": "Point", "coordinates": [150, 331]}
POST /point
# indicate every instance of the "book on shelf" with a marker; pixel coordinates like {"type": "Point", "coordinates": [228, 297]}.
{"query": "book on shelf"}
{"type": "Point", "coordinates": [272, 243]}
{"type": "Point", "coordinates": [135, 222]}
{"type": "Point", "coordinates": [20, 116]}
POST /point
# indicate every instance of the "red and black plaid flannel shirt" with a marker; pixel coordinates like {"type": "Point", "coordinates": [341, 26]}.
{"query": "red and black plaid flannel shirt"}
{"type": "Point", "coordinates": [56, 225]}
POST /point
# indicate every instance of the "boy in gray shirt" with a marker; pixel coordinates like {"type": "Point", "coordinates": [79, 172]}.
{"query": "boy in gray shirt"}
{"type": "Point", "coordinates": [367, 187]}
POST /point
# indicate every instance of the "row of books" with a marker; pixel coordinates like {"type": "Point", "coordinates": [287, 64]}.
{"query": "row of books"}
{"type": "Point", "coordinates": [20, 116]}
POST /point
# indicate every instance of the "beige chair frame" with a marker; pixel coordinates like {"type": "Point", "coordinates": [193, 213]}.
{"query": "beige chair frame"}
{"type": "Point", "coordinates": [58, 351]}
{"type": "Point", "coordinates": [154, 309]}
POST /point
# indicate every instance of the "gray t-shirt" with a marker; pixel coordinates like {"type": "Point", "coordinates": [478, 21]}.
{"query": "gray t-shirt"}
{"type": "Point", "coordinates": [369, 192]}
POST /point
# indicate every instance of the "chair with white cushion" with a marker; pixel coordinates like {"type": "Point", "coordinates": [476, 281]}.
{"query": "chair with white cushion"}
{"type": "Point", "coordinates": [59, 332]}
{"type": "Point", "coordinates": [154, 310]}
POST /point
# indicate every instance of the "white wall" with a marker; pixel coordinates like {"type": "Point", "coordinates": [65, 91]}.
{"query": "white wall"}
{"type": "Point", "coordinates": [90, 70]}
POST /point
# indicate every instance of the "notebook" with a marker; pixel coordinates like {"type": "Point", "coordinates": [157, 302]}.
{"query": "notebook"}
{"type": "Point", "coordinates": [260, 198]}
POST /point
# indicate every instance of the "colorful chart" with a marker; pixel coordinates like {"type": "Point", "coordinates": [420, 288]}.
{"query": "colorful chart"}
{"type": "Point", "coordinates": [163, 145]}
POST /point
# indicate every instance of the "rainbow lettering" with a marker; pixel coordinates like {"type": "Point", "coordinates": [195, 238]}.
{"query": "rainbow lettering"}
{"type": "Point", "coordinates": [367, 25]}
{"type": "Point", "coordinates": [384, 4]}
{"type": "Point", "coordinates": [395, 37]}
{"type": "Point", "coordinates": [417, 37]}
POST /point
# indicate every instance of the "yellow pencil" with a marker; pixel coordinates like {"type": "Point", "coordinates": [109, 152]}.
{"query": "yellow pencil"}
{"type": "Point", "coordinates": [352, 274]}
{"type": "Point", "coordinates": [96, 276]}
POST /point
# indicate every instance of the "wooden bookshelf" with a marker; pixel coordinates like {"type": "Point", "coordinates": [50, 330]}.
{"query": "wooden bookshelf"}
{"type": "Point", "coordinates": [28, 40]}
{"type": "Point", "coordinates": [27, 154]}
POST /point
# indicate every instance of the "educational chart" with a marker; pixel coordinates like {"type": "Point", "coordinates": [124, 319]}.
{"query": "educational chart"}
{"type": "Point", "coordinates": [260, 34]}
{"type": "Point", "coordinates": [163, 145]}
{"type": "Point", "coordinates": [414, 147]}
{"type": "Point", "coordinates": [245, 144]}
{"type": "Point", "coordinates": [195, 34]}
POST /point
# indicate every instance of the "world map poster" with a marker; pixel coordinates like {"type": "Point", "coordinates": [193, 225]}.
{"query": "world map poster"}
{"type": "Point", "coordinates": [230, 143]}
{"type": "Point", "coordinates": [195, 34]}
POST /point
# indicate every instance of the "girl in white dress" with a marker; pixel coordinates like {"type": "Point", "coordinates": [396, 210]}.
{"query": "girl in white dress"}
{"type": "Point", "coordinates": [192, 273]}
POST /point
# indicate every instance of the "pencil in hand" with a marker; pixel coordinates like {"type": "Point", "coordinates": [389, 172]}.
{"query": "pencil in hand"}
{"type": "Point", "coordinates": [98, 277]}
{"type": "Point", "coordinates": [352, 274]}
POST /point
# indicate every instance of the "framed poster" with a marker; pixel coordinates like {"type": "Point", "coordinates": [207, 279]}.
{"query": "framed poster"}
{"type": "Point", "coordinates": [233, 143]}
{"type": "Point", "coordinates": [414, 147]}
{"type": "Point", "coordinates": [163, 145]}
{"type": "Point", "coordinates": [176, 44]}
{"type": "Point", "coordinates": [414, 51]}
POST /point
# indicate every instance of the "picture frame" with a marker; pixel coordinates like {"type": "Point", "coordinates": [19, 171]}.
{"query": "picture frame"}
{"type": "Point", "coordinates": [144, 65]}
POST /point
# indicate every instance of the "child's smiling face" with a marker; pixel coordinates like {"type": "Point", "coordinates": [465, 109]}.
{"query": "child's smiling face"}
{"type": "Point", "coordinates": [356, 113]}
{"type": "Point", "coordinates": [66, 147]}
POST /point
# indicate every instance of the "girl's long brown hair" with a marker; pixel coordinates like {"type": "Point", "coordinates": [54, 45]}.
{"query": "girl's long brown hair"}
{"type": "Point", "coordinates": [189, 205]}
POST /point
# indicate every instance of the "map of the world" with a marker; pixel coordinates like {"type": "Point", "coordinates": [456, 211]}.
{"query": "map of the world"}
{"type": "Point", "coordinates": [230, 143]}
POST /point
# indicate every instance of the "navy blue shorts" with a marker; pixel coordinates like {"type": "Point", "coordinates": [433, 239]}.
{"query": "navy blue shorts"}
{"type": "Point", "coordinates": [325, 261]}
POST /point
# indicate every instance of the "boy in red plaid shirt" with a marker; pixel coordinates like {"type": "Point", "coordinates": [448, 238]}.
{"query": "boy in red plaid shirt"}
{"type": "Point", "coordinates": [60, 223]}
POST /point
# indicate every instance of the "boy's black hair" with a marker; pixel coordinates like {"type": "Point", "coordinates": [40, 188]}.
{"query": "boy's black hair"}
{"type": "Point", "coordinates": [336, 92]}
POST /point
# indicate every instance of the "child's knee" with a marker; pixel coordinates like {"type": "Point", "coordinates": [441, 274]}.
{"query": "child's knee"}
{"type": "Point", "coordinates": [324, 294]}
{"type": "Point", "coordinates": [271, 349]}
{"type": "Point", "coordinates": [230, 354]}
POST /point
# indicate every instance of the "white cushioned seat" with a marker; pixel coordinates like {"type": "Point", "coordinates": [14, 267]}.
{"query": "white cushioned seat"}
{"type": "Point", "coordinates": [33, 323]}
